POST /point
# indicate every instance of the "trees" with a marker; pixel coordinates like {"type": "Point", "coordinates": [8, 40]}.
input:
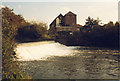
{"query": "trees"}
{"type": "Point", "coordinates": [10, 24]}
{"type": "Point", "coordinates": [32, 31]}
{"type": "Point", "coordinates": [11, 16]}
{"type": "Point", "coordinates": [40, 29]}
{"type": "Point", "coordinates": [117, 24]}
{"type": "Point", "coordinates": [93, 34]}
{"type": "Point", "coordinates": [14, 25]}
{"type": "Point", "coordinates": [91, 22]}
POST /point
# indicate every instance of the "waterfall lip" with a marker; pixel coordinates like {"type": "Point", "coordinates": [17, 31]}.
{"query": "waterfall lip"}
{"type": "Point", "coordinates": [35, 43]}
{"type": "Point", "coordinates": [41, 50]}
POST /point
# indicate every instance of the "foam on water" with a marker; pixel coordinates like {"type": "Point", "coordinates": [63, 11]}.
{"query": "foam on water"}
{"type": "Point", "coordinates": [41, 50]}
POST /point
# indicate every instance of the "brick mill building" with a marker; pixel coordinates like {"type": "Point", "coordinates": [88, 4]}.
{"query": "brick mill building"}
{"type": "Point", "coordinates": [66, 23]}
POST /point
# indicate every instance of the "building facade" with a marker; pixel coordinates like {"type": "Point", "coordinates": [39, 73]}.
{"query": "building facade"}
{"type": "Point", "coordinates": [65, 23]}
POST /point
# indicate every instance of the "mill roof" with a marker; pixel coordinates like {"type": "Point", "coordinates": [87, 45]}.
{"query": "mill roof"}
{"type": "Point", "coordinates": [70, 13]}
{"type": "Point", "coordinates": [56, 18]}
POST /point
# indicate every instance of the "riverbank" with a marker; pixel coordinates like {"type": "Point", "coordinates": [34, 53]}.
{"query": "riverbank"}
{"type": "Point", "coordinates": [34, 43]}
{"type": "Point", "coordinates": [28, 40]}
{"type": "Point", "coordinates": [72, 42]}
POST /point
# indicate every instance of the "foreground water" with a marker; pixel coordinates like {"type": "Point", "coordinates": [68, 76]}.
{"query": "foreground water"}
{"type": "Point", "coordinates": [51, 60]}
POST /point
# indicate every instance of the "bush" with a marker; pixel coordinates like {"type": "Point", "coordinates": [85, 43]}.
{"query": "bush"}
{"type": "Point", "coordinates": [96, 35]}
{"type": "Point", "coordinates": [32, 31]}
{"type": "Point", "coordinates": [10, 21]}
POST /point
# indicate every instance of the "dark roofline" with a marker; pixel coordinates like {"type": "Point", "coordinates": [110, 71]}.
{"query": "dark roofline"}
{"type": "Point", "coordinates": [56, 18]}
{"type": "Point", "coordinates": [69, 12]}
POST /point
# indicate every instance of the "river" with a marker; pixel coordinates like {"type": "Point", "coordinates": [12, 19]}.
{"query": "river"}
{"type": "Point", "coordinates": [52, 60]}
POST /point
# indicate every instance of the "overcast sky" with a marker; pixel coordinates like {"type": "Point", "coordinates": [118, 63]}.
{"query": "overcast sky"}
{"type": "Point", "coordinates": [47, 11]}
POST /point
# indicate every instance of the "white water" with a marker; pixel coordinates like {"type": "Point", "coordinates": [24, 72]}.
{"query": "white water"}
{"type": "Point", "coordinates": [41, 50]}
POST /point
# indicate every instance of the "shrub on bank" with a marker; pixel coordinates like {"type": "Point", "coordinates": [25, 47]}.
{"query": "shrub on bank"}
{"type": "Point", "coordinates": [97, 35]}
{"type": "Point", "coordinates": [10, 24]}
{"type": "Point", "coordinates": [15, 29]}
{"type": "Point", "coordinates": [32, 31]}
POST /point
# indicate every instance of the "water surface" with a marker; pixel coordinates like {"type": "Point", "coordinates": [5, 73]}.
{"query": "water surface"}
{"type": "Point", "coordinates": [51, 60]}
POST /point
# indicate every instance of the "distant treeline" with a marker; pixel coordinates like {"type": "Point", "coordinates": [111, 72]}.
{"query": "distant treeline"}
{"type": "Point", "coordinates": [93, 34]}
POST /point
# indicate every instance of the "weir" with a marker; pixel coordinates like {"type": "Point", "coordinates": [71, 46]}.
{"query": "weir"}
{"type": "Point", "coordinates": [41, 50]}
